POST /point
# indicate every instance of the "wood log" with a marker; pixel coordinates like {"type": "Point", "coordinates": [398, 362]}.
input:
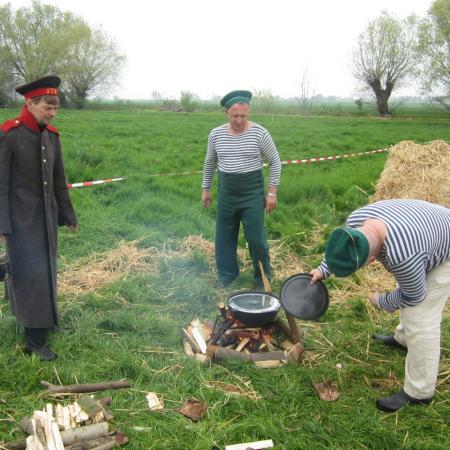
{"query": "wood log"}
{"type": "Point", "coordinates": [242, 344]}
{"type": "Point", "coordinates": [235, 332]}
{"type": "Point", "coordinates": [49, 438]}
{"type": "Point", "coordinates": [271, 364]}
{"type": "Point", "coordinates": [225, 354]}
{"type": "Point", "coordinates": [222, 310]}
{"type": "Point", "coordinates": [191, 340]}
{"type": "Point", "coordinates": [295, 333]}
{"type": "Point", "coordinates": [286, 345]}
{"type": "Point", "coordinates": [84, 433]}
{"type": "Point", "coordinates": [66, 418]}
{"type": "Point", "coordinates": [33, 443]}
{"type": "Point", "coordinates": [295, 353]}
{"type": "Point", "coordinates": [57, 437]}
{"type": "Point", "coordinates": [106, 446]}
{"type": "Point", "coordinates": [89, 405]}
{"type": "Point", "coordinates": [92, 443]}
{"type": "Point", "coordinates": [83, 388]}
{"type": "Point", "coordinates": [59, 416]}
{"type": "Point", "coordinates": [269, 344]}
{"type": "Point", "coordinates": [20, 444]}
{"type": "Point", "coordinates": [265, 280]}
{"type": "Point", "coordinates": [197, 333]}
{"type": "Point", "coordinates": [284, 327]}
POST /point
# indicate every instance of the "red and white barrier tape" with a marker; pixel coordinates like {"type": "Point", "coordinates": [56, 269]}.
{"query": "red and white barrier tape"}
{"type": "Point", "coordinates": [329, 158]}
{"type": "Point", "coordinates": [93, 183]}
{"type": "Point", "coordinates": [289, 161]}
{"type": "Point", "coordinates": [195, 172]}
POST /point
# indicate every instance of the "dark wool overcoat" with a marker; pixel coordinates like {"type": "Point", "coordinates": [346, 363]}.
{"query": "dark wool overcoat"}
{"type": "Point", "coordinates": [34, 200]}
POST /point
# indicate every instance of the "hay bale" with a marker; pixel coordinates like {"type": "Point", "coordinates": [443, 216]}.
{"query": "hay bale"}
{"type": "Point", "coordinates": [416, 171]}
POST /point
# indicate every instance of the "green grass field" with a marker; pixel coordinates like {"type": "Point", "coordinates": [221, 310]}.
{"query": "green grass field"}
{"type": "Point", "coordinates": [130, 328]}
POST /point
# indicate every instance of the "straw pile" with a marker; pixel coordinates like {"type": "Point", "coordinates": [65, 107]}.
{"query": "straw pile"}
{"type": "Point", "coordinates": [91, 273]}
{"type": "Point", "coordinates": [416, 171]}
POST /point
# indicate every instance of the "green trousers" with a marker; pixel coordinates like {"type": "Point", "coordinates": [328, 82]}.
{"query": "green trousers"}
{"type": "Point", "coordinates": [240, 199]}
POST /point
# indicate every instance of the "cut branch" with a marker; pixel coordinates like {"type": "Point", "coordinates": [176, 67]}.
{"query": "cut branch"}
{"type": "Point", "coordinates": [83, 388]}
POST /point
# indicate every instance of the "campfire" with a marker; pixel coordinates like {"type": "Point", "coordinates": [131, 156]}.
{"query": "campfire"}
{"type": "Point", "coordinates": [267, 345]}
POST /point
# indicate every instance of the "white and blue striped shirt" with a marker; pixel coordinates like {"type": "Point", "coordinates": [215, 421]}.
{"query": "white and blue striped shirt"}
{"type": "Point", "coordinates": [417, 241]}
{"type": "Point", "coordinates": [240, 153]}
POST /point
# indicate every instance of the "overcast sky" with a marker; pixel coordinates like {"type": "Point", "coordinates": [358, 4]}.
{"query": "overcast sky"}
{"type": "Point", "coordinates": [210, 47]}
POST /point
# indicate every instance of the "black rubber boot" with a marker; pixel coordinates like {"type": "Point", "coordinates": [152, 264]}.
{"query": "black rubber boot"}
{"type": "Point", "coordinates": [36, 344]}
{"type": "Point", "coordinates": [395, 402]}
{"type": "Point", "coordinates": [389, 341]}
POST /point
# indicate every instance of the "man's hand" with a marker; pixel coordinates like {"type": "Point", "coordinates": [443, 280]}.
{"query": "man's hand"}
{"type": "Point", "coordinates": [2, 238]}
{"type": "Point", "coordinates": [317, 275]}
{"type": "Point", "coordinates": [73, 228]}
{"type": "Point", "coordinates": [373, 299]}
{"type": "Point", "coordinates": [206, 198]}
{"type": "Point", "coordinates": [270, 203]}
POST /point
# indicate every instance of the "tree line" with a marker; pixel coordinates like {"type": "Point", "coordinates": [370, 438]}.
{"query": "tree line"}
{"type": "Point", "coordinates": [42, 39]}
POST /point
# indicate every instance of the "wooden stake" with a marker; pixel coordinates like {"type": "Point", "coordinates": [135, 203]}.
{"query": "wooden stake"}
{"type": "Point", "coordinates": [265, 280]}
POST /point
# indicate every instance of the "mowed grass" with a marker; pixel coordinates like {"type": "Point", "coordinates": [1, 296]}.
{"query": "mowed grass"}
{"type": "Point", "coordinates": [131, 328]}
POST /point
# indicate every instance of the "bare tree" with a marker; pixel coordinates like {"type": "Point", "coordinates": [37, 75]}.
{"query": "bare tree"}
{"type": "Point", "coordinates": [307, 92]}
{"type": "Point", "coordinates": [385, 56]}
{"type": "Point", "coordinates": [263, 101]}
{"type": "Point", "coordinates": [187, 101]}
{"type": "Point", "coordinates": [434, 48]}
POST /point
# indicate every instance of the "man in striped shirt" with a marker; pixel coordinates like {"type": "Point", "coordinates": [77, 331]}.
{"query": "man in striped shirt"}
{"type": "Point", "coordinates": [411, 238]}
{"type": "Point", "coordinates": [237, 149]}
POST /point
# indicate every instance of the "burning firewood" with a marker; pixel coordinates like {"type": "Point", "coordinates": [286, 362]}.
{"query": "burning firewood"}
{"type": "Point", "coordinates": [224, 354]}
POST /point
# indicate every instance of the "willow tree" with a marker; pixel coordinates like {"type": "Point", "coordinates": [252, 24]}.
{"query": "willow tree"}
{"type": "Point", "coordinates": [385, 56]}
{"type": "Point", "coordinates": [42, 40]}
{"type": "Point", "coordinates": [434, 47]}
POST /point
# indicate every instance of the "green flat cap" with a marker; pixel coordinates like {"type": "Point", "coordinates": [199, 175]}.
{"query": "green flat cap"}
{"type": "Point", "coordinates": [347, 250]}
{"type": "Point", "coordinates": [235, 97]}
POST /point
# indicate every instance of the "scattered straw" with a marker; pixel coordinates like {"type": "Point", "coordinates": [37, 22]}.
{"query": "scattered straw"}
{"type": "Point", "coordinates": [194, 242]}
{"type": "Point", "coordinates": [416, 171]}
{"type": "Point", "coordinates": [91, 273]}
{"type": "Point", "coordinates": [233, 389]}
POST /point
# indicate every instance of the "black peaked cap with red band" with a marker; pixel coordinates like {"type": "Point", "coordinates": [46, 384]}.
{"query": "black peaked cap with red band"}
{"type": "Point", "coordinates": [43, 86]}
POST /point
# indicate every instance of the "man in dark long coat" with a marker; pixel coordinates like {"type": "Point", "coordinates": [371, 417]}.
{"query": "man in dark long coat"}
{"type": "Point", "coordinates": [34, 200]}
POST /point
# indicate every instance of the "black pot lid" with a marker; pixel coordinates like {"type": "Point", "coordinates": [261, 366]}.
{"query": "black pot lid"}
{"type": "Point", "coordinates": [302, 299]}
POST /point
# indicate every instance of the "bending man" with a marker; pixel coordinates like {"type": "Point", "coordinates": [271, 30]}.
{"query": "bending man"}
{"type": "Point", "coordinates": [411, 238]}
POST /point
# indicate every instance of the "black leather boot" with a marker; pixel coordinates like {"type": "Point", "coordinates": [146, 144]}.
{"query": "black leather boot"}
{"type": "Point", "coordinates": [389, 341]}
{"type": "Point", "coordinates": [36, 344]}
{"type": "Point", "coordinates": [398, 400]}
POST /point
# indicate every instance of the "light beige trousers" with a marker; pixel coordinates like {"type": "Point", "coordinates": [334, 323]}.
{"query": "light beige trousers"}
{"type": "Point", "coordinates": [420, 330]}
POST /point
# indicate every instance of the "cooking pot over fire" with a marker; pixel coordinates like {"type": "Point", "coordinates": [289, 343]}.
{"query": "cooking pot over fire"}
{"type": "Point", "coordinates": [254, 308]}
{"type": "Point", "coordinates": [298, 297]}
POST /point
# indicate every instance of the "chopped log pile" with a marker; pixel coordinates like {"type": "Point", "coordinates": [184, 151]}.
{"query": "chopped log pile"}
{"type": "Point", "coordinates": [266, 346]}
{"type": "Point", "coordinates": [81, 425]}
